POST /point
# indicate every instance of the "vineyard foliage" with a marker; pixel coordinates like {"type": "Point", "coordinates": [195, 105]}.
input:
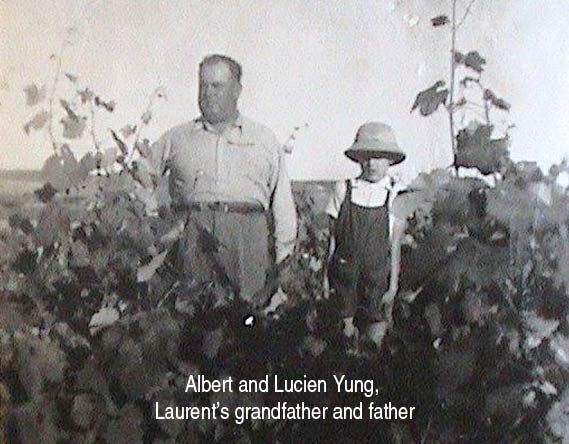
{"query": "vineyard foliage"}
{"type": "Point", "coordinates": [99, 318]}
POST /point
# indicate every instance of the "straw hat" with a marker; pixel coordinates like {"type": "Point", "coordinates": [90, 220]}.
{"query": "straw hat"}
{"type": "Point", "coordinates": [377, 140]}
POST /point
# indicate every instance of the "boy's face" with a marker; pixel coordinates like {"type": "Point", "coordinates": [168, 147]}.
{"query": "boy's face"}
{"type": "Point", "coordinates": [375, 169]}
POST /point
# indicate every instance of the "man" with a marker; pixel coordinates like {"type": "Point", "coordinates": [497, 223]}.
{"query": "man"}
{"type": "Point", "coordinates": [229, 173]}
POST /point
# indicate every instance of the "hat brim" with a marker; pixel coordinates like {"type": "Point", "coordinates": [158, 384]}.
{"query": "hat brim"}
{"type": "Point", "coordinates": [360, 154]}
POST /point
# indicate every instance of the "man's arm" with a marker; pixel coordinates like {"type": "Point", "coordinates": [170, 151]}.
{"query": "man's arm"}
{"type": "Point", "coordinates": [158, 160]}
{"type": "Point", "coordinates": [283, 209]}
{"type": "Point", "coordinates": [159, 155]}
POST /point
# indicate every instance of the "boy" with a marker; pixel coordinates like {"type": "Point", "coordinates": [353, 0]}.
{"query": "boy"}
{"type": "Point", "coordinates": [365, 238]}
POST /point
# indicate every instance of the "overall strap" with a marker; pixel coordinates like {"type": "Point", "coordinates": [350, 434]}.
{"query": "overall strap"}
{"type": "Point", "coordinates": [348, 191]}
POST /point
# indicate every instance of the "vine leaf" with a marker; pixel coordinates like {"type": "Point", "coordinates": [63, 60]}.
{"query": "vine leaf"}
{"type": "Point", "coordinates": [143, 148]}
{"type": "Point", "coordinates": [128, 130]}
{"type": "Point", "coordinates": [472, 60]}
{"type": "Point", "coordinates": [127, 428]}
{"type": "Point", "coordinates": [562, 277]}
{"type": "Point", "coordinates": [71, 77]}
{"type": "Point", "coordinates": [407, 203]}
{"type": "Point", "coordinates": [108, 157]}
{"type": "Point", "coordinates": [458, 57]}
{"type": "Point", "coordinates": [559, 345]}
{"type": "Point", "coordinates": [34, 95]}
{"type": "Point", "coordinates": [79, 254]}
{"type": "Point", "coordinates": [84, 410]}
{"type": "Point", "coordinates": [122, 146]}
{"type": "Point", "coordinates": [103, 318]}
{"type": "Point", "coordinates": [86, 95]}
{"type": "Point", "coordinates": [314, 345]}
{"type": "Point", "coordinates": [434, 320]}
{"type": "Point", "coordinates": [73, 124]}
{"type": "Point", "coordinates": [511, 206]}
{"type": "Point", "coordinates": [109, 106]}
{"type": "Point", "coordinates": [37, 122]}
{"type": "Point", "coordinates": [40, 363]}
{"type": "Point", "coordinates": [496, 101]}
{"type": "Point", "coordinates": [466, 81]}
{"type": "Point", "coordinates": [63, 171]}
{"type": "Point", "coordinates": [538, 328]}
{"type": "Point", "coordinates": [87, 164]}
{"type": "Point", "coordinates": [430, 99]}
{"type": "Point", "coordinates": [477, 149]}
{"type": "Point", "coordinates": [212, 342]}
{"type": "Point", "coordinates": [17, 221]}
{"type": "Point", "coordinates": [46, 193]}
{"type": "Point", "coordinates": [145, 272]}
{"type": "Point", "coordinates": [146, 116]}
{"type": "Point", "coordinates": [73, 129]}
{"type": "Point", "coordinates": [142, 172]}
{"type": "Point", "coordinates": [67, 107]}
{"type": "Point", "coordinates": [558, 418]}
{"type": "Point", "coordinates": [440, 20]}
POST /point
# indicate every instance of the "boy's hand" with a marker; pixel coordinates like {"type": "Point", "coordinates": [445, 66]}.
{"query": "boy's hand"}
{"type": "Point", "coordinates": [389, 296]}
{"type": "Point", "coordinates": [387, 302]}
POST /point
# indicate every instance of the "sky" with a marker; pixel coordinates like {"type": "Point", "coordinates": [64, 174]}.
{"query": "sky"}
{"type": "Point", "coordinates": [332, 65]}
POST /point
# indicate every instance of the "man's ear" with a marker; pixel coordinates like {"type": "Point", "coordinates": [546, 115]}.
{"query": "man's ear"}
{"type": "Point", "coordinates": [237, 90]}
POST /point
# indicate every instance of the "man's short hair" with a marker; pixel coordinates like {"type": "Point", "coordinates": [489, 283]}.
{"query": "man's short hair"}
{"type": "Point", "coordinates": [234, 67]}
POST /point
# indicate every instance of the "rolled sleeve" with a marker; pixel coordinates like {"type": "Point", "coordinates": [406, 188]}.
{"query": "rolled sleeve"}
{"type": "Point", "coordinates": [283, 208]}
{"type": "Point", "coordinates": [158, 163]}
{"type": "Point", "coordinates": [159, 155]}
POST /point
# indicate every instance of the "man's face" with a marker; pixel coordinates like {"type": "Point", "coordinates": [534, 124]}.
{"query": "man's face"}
{"type": "Point", "coordinates": [218, 93]}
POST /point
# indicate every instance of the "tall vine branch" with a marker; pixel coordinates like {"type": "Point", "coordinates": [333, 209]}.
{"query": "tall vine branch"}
{"type": "Point", "coordinates": [466, 12]}
{"type": "Point", "coordinates": [56, 76]}
{"type": "Point", "coordinates": [452, 79]}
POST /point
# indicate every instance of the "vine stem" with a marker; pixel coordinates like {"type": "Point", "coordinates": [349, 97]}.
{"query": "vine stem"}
{"type": "Point", "coordinates": [56, 76]}
{"type": "Point", "coordinates": [452, 81]}
{"type": "Point", "coordinates": [466, 12]}
{"type": "Point", "coordinates": [141, 123]}
{"type": "Point", "coordinates": [93, 134]}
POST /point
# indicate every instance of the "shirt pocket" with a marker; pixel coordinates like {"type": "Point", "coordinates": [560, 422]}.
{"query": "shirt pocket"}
{"type": "Point", "coordinates": [253, 162]}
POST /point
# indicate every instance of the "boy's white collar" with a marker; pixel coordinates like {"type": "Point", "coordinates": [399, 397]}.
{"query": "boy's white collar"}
{"type": "Point", "coordinates": [385, 182]}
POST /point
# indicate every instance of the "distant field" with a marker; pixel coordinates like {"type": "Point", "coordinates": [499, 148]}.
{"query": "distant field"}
{"type": "Point", "coordinates": [17, 187]}
{"type": "Point", "coordinates": [20, 175]}
{"type": "Point", "coordinates": [16, 183]}
{"type": "Point", "coordinates": [319, 191]}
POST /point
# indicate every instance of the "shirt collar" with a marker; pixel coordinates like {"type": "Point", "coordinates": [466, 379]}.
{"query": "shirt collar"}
{"type": "Point", "coordinates": [383, 183]}
{"type": "Point", "coordinates": [236, 124]}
